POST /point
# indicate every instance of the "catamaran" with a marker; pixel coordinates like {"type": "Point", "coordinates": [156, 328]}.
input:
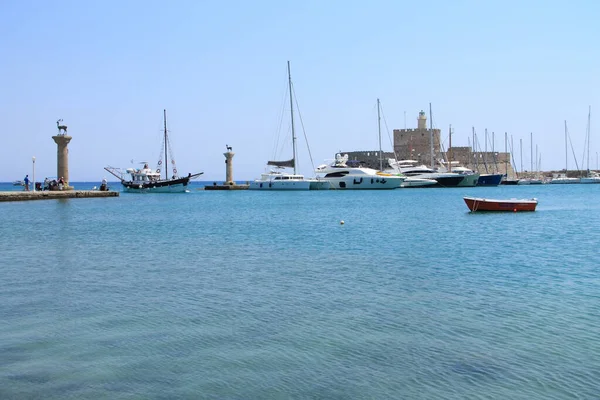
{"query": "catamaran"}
{"type": "Point", "coordinates": [276, 178]}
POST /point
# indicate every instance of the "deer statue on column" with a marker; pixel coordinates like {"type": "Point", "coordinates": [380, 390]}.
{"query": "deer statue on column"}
{"type": "Point", "coordinates": [60, 127]}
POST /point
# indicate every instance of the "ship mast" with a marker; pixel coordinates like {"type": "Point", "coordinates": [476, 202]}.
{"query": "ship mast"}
{"type": "Point", "coordinates": [166, 145]}
{"type": "Point", "coordinates": [450, 148]}
{"type": "Point", "coordinates": [379, 129]}
{"type": "Point", "coordinates": [292, 116]}
{"type": "Point", "coordinates": [431, 137]}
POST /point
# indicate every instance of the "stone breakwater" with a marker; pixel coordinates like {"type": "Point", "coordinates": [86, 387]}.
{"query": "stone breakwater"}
{"type": "Point", "coordinates": [48, 195]}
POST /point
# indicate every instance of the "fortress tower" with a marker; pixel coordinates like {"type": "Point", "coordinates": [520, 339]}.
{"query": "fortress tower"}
{"type": "Point", "coordinates": [415, 144]}
{"type": "Point", "coordinates": [422, 121]}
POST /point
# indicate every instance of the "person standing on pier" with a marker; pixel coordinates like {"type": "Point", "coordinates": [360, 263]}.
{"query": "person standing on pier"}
{"type": "Point", "coordinates": [26, 180]}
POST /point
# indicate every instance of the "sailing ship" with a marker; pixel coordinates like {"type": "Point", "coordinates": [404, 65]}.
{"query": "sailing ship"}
{"type": "Point", "coordinates": [147, 180]}
{"type": "Point", "coordinates": [276, 178]}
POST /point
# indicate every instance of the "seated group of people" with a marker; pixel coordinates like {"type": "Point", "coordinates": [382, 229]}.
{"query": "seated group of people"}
{"type": "Point", "coordinates": [54, 184]}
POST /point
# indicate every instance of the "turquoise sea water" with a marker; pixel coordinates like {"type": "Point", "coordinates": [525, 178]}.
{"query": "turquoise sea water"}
{"type": "Point", "coordinates": [256, 295]}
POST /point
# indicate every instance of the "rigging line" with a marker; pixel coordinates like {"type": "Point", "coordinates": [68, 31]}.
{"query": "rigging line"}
{"type": "Point", "coordinates": [160, 138]}
{"type": "Point", "coordinates": [512, 155]}
{"type": "Point", "coordinates": [303, 130]}
{"type": "Point", "coordinates": [493, 155]}
{"type": "Point", "coordinates": [572, 150]}
{"type": "Point", "coordinates": [277, 133]}
{"type": "Point", "coordinates": [387, 129]}
{"type": "Point", "coordinates": [586, 145]}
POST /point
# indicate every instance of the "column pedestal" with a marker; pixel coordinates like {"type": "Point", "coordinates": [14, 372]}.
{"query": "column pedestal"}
{"type": "Point", "coordinates": [62, 159]}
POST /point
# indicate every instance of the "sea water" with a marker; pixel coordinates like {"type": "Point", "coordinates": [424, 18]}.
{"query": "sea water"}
{"type": "Point", "coordinates": [260, 295]}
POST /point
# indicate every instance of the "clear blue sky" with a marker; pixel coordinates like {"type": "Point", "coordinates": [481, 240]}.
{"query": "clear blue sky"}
{"type": "Point", "coordinates": [109, 68]}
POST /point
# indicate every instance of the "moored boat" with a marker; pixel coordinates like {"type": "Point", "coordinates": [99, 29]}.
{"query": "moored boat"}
{"type": "Point", "coordinates": [147, 180]}
{"type": "Point", "coordinates": [593, 177]}
{"type": "Point", "coordinates": [514, 205]}
{"type": "Point", "coordinates": [340, 175]}
{"type": "Point", "coordinates": [470, 177]}
{"type": "Point", "coordinates": [276, 178]}
{"type": "Point", "coordinates": [418, 182]}
{"type": "Point", "coordinates": [410, 170]}
{"type": "Point", "coordinates": [562, 179]}
{"type": "Point", "coordinates": [489, 179]}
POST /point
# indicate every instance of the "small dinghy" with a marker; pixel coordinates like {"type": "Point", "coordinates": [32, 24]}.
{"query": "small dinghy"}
{"type": "Point", "coordinates": [511, 205]}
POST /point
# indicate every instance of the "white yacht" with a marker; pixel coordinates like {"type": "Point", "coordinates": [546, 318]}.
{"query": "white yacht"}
{"type": "Point", "coordinates": [563, 179]}
{"type": "Point", "coordinates": [593, 177]}
{"type": "Point", "coordinates": [340, 175]}
{"type": "Point", "coordinates": [411, 170]}
{"type": "Point", "coordinates": [470, 177]}
{"type": "Point", "coordinates": [279, 180]}
{"type": "Point", "coordinates": [417, 182]}
{"type": "Point", "coordinates": [530, 181]}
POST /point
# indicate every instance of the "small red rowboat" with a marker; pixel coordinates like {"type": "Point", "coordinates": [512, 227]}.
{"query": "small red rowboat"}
{"type": "Point", "coordinates": [514, 205]}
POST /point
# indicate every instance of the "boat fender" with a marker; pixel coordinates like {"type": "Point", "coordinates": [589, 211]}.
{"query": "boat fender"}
{"type": "Point", "coordinates": [158, 170]}
{"type": "Point", "coordinates": [159, 162]}
{"type": "Point", "coordinates": [175, 171]}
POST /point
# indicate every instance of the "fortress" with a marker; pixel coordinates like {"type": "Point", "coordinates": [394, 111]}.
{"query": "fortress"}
{"type": "Point", "coordinates": [415, 144]}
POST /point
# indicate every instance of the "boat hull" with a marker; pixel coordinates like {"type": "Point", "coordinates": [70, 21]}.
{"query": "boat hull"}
{"type": "Point", "coordinates": [469, 180]}
{"type": "Point", "coordinates": [448, 181]}
{"type": "Point", "coordinates": [280, 185]}
{"type": "Point", "coordinates": [564, 181]}
{"type": "Point", "coordinates": [512, 205]}
{"type": "Point", "coordinates": [357, 183]}
{"type": "Point", "coordinates": [593, 179]}
{"type": "Point", "coordinates": [165, 186]}
{"type": "Point", "coordinates": [489, 179]}
{"type": "Point", "coordinates": [442, 179]}
{"type": "Point", "coordinates": [418, 183]}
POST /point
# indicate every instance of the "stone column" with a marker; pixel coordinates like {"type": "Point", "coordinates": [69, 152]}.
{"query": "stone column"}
{"type": "Point", "coordinates": [229, 167]}
{"type": "Point", "coordinates": [62, 156]}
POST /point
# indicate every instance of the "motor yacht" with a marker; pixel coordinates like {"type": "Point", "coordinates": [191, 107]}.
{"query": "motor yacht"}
{"type": "Point", "coordinates": [340, 175]}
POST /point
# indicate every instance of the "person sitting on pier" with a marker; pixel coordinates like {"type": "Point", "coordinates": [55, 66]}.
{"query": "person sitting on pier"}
{"type": "Point", "coordinates": [61, 183]}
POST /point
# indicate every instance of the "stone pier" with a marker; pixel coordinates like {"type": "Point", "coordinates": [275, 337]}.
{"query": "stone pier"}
{"type": "Point", "coordinates": [58, 194]}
